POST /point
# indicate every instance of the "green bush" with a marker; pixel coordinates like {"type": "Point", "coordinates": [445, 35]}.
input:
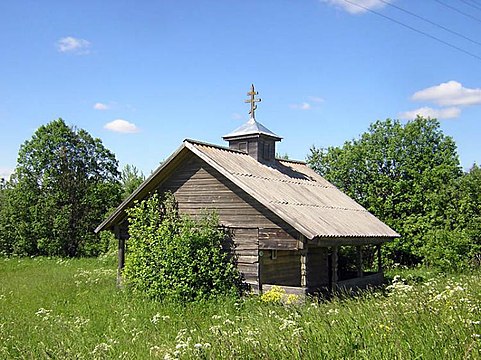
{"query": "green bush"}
{"type": "Point", "coordinates": [449, 249]}
{"type": "Point", "coordinates": [177, 257]}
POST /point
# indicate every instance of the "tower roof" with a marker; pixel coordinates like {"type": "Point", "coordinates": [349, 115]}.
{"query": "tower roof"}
{"type": "Point", "coordinates": [252, 127]}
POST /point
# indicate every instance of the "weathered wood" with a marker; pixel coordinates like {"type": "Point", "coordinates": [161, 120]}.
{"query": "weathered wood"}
{"type": "Point", "coordinates": [317, 269]}
{"type": "Point", "coordinates": [334, 258]}
{"type": "Point", "coordinates": [198, 186]}
{"type": "Point", "coordinates": [278, 244]}
{"type": "Point", "coordinates": [303, 268]}
{"type": "Point", "coordinates": [120, 254]}
{"type": "Point", "coordinates": [288, 261]}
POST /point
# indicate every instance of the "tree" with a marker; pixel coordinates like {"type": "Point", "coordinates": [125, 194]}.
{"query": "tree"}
{"type": "Point", "coordinates": [177, 257]}
{"type": "Point", "coordinates": [397, 172]}
{"type": "Point", "coordinates": [130, 178]}
{"type": "Point", "coordinates": [63, 184]}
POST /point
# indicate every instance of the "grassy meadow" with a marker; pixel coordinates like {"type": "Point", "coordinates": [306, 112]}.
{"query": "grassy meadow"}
{"type": "Point", "coordinates": [71, 309]}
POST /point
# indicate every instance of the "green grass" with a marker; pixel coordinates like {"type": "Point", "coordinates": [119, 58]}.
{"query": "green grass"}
{"type": "Point", "coordinates": [71, 309]}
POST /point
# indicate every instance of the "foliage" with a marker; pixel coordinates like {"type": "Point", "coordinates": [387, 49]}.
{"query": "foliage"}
{"type": "Point", "coordinates": [130, 178]}
{"type": "Point", "coordinates": [177, 257]}
{"type": "Point", "coordinates": [396, 171]}
{"type": "Point", "coordinates": [456, 244]}
{"type": "Point", "coordinates": [73, 310]}
{"type": "Point", "coordinates": [63, 184]}
{"type": "Point", "coordinates": [448, 249]}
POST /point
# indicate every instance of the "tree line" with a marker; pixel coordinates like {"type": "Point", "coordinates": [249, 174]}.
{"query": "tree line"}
{"type": "Point", "coordinates": [407, 174]}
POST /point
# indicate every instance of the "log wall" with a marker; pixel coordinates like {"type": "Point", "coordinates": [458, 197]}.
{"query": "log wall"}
{"type": "Point", "coordinates": [285, 269]}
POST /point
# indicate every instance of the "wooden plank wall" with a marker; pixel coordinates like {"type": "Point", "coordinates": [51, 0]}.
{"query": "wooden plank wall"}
{"type": "Point", "coordinates": [197, 186]}
{"type": "Point", "coordinates": [317, 267]}
{"type": "Point", "coordinates": [284, 270]}
{"type": "Point", "coordinates": [246, 251]}
{"type": "Point", "coordinates": [276, 238]}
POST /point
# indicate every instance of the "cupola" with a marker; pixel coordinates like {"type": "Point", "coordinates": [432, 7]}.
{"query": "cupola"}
{"type": "Point", "coordinates": [253, 138]}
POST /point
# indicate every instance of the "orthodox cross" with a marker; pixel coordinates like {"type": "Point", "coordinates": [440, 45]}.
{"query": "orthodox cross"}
{"type": "Point", "coordinates": [252, 101]}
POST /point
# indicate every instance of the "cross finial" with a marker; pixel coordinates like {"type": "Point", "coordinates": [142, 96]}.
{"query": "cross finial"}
{"type": "Point", "coordinates": [252, 101]}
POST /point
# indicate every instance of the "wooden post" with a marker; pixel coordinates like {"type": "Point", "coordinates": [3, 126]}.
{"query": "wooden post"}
{"type": "Point", "coordinates": [379, 258]}
{"type": "Point", "coordinates": [334, 266]}
{"type": "Point", "coordinates": [121, 254]}
{"type": "Point", "coordinates": [360, 273]}
{"type": "Point", "coordinates": [303, 262]}
{"type": "Point", "coordinates": [304, 268]}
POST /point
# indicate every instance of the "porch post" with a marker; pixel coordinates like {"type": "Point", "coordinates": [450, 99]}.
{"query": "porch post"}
{"type": "Point", "coordinates": [379, 258]}
{"type": "Point", "coordinates": [360, 273]}
{"type": "Point", "coordinates": [303, 262]}
{"type": "Point", "coordinates": [121, 254]}
{"type": "Point", "coordinates": [334, 265]}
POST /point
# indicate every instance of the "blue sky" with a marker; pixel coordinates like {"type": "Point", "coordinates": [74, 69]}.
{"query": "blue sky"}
{"type": "Point", "coordinates": [144, 75]}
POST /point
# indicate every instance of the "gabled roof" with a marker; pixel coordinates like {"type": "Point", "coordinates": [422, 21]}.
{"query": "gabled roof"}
{"type": "Point", "coordinates": [252, 127]}
{"type": "Point", "coordinates": [290, 189]}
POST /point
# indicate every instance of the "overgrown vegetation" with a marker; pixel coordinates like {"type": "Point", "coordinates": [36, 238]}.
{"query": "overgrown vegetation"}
{"type": "Point", "coordinates": [409, 176]}
{"type": "Point", "coordinates": [73, 311]}
{"type": "Point", "coordinates": [177, 257]}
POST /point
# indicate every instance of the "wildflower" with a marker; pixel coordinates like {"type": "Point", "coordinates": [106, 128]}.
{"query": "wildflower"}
{"type": "Point", "coordinates": [102, 347]}
{"type": "Point", "coordinates": [332, 312]}
{"type": "Point", "coordinates": [43, 313]}
{"type": "Point", "coordinates": [198, 346]}
{"type": "Point", "coordinates": [155, 319]}
{"type": "Point", "coordinates": [154, 350]}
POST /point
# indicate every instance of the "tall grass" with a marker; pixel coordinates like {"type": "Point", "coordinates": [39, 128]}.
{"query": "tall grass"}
{"type": "Point", "coordinates": [71, 309]}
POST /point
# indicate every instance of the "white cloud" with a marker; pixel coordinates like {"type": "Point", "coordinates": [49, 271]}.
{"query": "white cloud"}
{"type": "Point", "coordinates": [361, 7]}
{"type": "Point", "coordinates": [444, 113]}
{"type": "Point", "coordinates": [121, 126]}
{"type": "Point", "coordinates": [101, 106]}
{"type": "Point", "coordinates": [73, 45]}
{"type": "Point", "coordinates": [451, 93]}
{"type": "Point", "coordinates": [301, 106]}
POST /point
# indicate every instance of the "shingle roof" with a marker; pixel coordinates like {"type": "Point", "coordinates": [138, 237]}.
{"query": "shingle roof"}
{"type": "Point", "coordinates": [290, 189]}
{"type": "Point", "coordinates": [296, 193]}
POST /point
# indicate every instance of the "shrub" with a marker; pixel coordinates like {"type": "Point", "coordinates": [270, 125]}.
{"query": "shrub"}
{"type": "Point", "coordinates": [449, 249]}
{"type": "Point", "coordinates": [175, 256]}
